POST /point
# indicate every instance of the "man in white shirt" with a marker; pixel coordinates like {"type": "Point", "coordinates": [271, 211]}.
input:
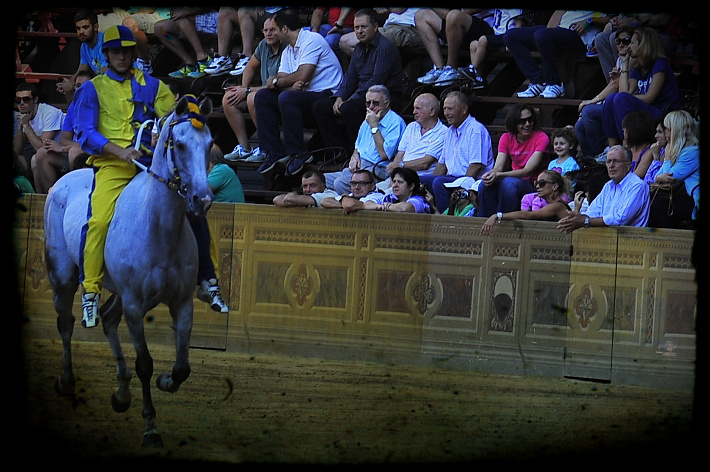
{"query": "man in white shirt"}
{"type": "Point", "coordinates": [467, 152]}
{"type": "Point", "coordinates": [309, 71]}
{"type": "Point", "coordinates": [313, 191]}
{"type": "Point", "coordinates": [623, 201]}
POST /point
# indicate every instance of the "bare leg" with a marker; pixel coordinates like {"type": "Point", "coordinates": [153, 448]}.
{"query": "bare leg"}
{"type": "Point", "coordinates": [235, 118]}
{"type": "Point", "coordinates": [228, 17]}
{"type": "Point", "coordinates": [168, 32]}
{"type": "Point", "coordinates": [46, 167]}
{"type": "Point", "coordinates": [247, 26]}
{"type": "Point", "coordinates": [457, 23]}
{"type": "Point", "coordinates": [428, 24]}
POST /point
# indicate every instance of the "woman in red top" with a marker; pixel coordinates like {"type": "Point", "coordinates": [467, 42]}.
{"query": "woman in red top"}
{"type": "Point", "coordinates": [522, 154]}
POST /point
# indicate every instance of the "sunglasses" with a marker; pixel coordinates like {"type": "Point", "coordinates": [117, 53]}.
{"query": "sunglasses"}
{"type": "Point", "coordinates": [529, 119]}
{"type": "Point", "coordinates": [355, 183]}
{"type": "Point", "coordinates": [375, 103]}
{"type": "Point", "coordinates": [23, 100]}
{"type": "Point", "coordinates": [541, 183]}
{"type": "Point", "coordinates": [623, 40]}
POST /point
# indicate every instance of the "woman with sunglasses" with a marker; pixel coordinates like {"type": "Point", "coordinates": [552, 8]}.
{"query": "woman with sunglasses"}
{"type": "Point", "coordinates": [590, 133]}
{"type": "Point", "coordinates": [522, 154]}
{"type": "Point", "coordinates": [551, 187]}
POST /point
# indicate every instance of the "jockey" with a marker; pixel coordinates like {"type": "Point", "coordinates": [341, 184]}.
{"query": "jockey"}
{"type": "Point", "coordinates": [109, 111]}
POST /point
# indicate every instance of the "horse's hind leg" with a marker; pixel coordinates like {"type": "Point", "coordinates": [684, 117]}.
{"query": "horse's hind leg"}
{"type": "Point", "coordinates": [111, 312]}
{"type": "Point", "coordinates": [63, 302]}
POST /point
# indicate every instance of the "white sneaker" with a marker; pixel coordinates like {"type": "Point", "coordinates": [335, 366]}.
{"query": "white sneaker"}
{"type": "Point", "coordinates": [256, 156]}
{"type": "Point", "coordinates": [209, 293]}
{"type": "Point", "coordinates": [241, 65]}
{"type": "Point", "coordinates": [238, 154]}
{"type": "Point", "coordinates": [553, 91]}
{"type": "Point", "coordinates": [532, 91]}
{"type": "Point", "coordinates": [90, 310]}
{"type": "Point", "coordinates": [220, 65]}
{"type": "Point", "coordinates": [447, 77]}
{"type": "Point", "coordinates": [431, 76]}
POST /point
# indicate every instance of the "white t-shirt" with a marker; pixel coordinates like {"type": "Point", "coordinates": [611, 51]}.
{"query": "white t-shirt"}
{"type": "Point", "coordinates": [405, 18]}
{"type": "Point", "coordinates": [312, 48]}
{"type": "Point", "coordinates": [415, 145]}
{"type": "Point", "coordinates": [48, 118]}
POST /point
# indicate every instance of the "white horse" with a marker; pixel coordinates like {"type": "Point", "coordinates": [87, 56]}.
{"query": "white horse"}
{"type": "Point", "coordinates": [150, 255]}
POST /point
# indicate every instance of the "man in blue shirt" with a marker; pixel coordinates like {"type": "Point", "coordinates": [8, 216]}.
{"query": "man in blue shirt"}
{"type": "Point", "coordinates": [623, 201]}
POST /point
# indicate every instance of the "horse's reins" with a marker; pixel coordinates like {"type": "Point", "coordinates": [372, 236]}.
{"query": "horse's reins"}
{"type": "Point", "coordinates": [197, 120]}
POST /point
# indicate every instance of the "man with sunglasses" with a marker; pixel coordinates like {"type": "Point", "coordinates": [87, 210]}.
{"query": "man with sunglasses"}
{"type": "Point", "coordinates": [35, 124]}
{"type": "Point", "coordinates": [623, 201]}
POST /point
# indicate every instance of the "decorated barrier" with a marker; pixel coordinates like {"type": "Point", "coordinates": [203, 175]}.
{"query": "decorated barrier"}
{"type": "Point", "coordinates": [612, 305]}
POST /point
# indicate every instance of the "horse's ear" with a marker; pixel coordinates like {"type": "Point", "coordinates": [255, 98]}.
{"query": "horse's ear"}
{"type": "Point", "coordinates": [206, 106]}
{"type": "Point", "coordinates": [181, 106]}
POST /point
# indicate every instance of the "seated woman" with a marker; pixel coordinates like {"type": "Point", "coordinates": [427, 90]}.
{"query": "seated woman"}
{"type": "Point", "coordinates": [681, 163]}
{"type": "Point", "coordinates": [650, 85]}
{"type": "Point", "coordinates": [407, 195]}
{"type": "Point", "coordinates": [658, 148]}
{"type": "Point", "coordinates": [639, 134]}
{"type": "Point", "coordinates": [551, 187]}
{"type": "Point", "coordinates": [522, 154]}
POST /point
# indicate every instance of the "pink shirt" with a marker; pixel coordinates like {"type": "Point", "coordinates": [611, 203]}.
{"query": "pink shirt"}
{"type": "Point", "coordinates": [520, 153]}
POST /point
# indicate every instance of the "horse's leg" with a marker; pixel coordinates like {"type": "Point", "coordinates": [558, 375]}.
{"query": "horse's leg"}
{"type": "Point", "coordinates": [144, 370]}
{"type": "Point", "coordinates": [63, 302]}
{"type": "Point", "coordinates": [111, 312]}
{"type": "Point", "coordinates": [181, 314]}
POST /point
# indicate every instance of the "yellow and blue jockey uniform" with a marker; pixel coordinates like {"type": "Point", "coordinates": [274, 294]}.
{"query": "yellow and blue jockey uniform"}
{"type": "Point", "coordinates": [110, 108]}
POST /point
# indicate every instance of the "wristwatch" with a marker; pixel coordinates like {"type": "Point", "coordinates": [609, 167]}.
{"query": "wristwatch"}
{"type": "Point", "coordinates": [273, 82]}
{"type": "Point", "coordinates": [375, 130]}
{"type": "Point", "coordinates": [586, 222]}
{"type": "Point", "coordinates": [499, 215]}
{"type": "Point", "coordinates": [249, 89]}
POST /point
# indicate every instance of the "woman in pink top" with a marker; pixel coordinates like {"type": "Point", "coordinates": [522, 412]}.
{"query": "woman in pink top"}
{"type": "Point", "coordinates": [522, 155]}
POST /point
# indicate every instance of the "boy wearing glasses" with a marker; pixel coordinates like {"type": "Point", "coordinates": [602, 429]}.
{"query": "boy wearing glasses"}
{"type": "Point", "coordinates": [35, 124]}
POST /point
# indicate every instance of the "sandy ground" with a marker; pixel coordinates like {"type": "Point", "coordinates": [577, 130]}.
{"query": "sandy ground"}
{"type": "Point", "coordinates": [239, 408]}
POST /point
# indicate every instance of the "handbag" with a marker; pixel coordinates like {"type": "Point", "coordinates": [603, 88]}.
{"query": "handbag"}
{"type": "Point", "coordinates": [665, 192]}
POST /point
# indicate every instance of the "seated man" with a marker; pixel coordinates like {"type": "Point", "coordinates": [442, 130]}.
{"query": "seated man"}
{"type": "Point", "coordinates": [376, 141]}
{"type": "Point", "coordinates": [423, 139]}
{"type": "Point", "coordinates": [313, 191]}
{"type": "Point", "coordinates": [623, 201]}
{"type": "Point", "coordinates": [362, 185]}
{"type": "Point", "coordinates": [466, 156]}
{"type": "Point", "coordinates": [308, 72]}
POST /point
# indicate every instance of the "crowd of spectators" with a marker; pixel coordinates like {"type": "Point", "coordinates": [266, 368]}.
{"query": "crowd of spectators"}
{"type": "Point", "coordinates": [341, 73]}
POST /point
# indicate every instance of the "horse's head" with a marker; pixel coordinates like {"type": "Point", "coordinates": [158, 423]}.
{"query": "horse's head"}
{"type": "Point", "coordinates": [188, 143]}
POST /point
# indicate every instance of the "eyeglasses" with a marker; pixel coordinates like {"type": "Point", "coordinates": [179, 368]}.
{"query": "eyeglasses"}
{"type": "Point", "coordinates": [528, 119]}
{"type": "Point", "coordinates": [355, 183]}
{"type": "Point", "coordinates": [616, 162]}
{"type": "Point", "coordinates": [623, 40]}
{"type": "Point", "coordinates": [541, 183]}
{"type": "Point", "coordinates": [23, 100]}
{"type": "Point", "coordinates": [372, 102]}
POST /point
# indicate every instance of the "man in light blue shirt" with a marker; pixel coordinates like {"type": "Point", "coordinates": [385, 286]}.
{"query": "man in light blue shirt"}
{"type": "Point", "coordinates": [377, 139]}
{"type": "Point", "coordinates": [623, 201]}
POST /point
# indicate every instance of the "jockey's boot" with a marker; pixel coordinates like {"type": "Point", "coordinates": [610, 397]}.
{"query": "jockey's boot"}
{"type": "Point", "coordinates": [209, 293]}
{"type": "Point", "coordinates": [90, 310]}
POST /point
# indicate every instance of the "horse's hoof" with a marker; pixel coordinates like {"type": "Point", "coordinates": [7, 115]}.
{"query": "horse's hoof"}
{"type": "Point", "coordinates": [119, 406]}
{"type": "Point", "coordinates": [152, 440]}
{"type": "Point", "coordinates": [165, 383]}
{"type": "Point", "coordinates": [64, 388]}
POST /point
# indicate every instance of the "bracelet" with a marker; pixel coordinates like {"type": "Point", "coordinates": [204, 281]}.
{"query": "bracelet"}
{"type": "Point", "coordinates": [624, 71]}
{"type": "Point", "coordinates": [337, 25]}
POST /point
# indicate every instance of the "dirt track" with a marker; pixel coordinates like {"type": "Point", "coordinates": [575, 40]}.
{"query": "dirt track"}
{"type": "Point", "coordinates": [267, 409]}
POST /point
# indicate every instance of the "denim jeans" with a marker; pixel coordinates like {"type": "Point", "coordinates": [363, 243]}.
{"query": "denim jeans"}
{"type": "Point", "coordinates": [550, 43]}
{"type": "Point", "coordinates": [291, 108]}
{"type": "Point", "coordinates": [617, 106]}
{"type": "Point", "coordinates": [590, 131]}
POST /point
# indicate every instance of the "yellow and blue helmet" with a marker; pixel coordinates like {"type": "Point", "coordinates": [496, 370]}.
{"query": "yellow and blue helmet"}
{"type": "Point", "coordinates": [118, 37]}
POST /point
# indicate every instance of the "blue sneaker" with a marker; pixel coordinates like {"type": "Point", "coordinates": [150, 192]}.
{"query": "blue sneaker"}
{"type": "Point", "coordinates": [297, 164]}
{"type": "Point", "coordinates": [271, 160]}
{"type": "Point", "coordinates": [238, 154]}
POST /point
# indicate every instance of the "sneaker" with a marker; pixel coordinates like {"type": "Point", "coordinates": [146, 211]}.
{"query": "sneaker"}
{"type": "Point", "coordinates": [431, 76]}
{"type": "Point", "coordinates": [297, 164]}
{"type": "Point", "coordinates": [477, 82]}
{"type": "Point", "coordinates": [532, 91]}
{"type": "Point", "coordinates": [200, 69]}
{"type": "Point", "coordinates": [241, 65]}
{"type": "Point", "coordinates": [271, 160]}
{"type": "Point", "coordinates": [256, 156]}
{"type": "Point", "coordinates": [592, 51]}
{"type": "Point", "coordinates": [209, 293]}
{"type": "Point", "coordinates": [220, 65]}
{"type": "Point", "coordinates": [238, 154]}
{"type": "Point", "coordinates": [553, 91]}
{"type": "Point", "coordinates": [183, 71]}
{"type": "Point", "coordinates": [145, 66]}
{"type": "Point", "coordinates": [90, 310]}
{"type": "Point", "coordinates": [448, 76]}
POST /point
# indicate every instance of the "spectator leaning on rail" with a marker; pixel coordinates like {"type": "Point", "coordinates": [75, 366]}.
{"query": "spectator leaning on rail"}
{"type": "Point", "coordinates": [623, 201]}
